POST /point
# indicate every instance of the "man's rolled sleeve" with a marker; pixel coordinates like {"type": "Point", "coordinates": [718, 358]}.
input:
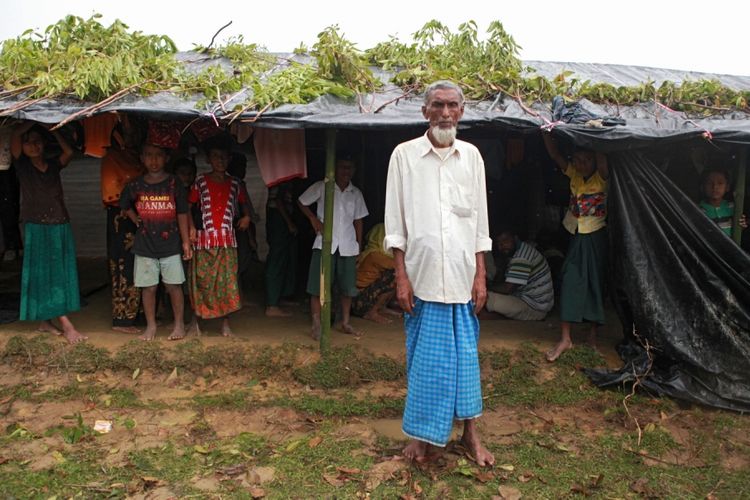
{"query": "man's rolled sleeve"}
{"type": "Point", "coordinates": [395, 224]}
{"type": "Point", "coordinates": [483, 240]}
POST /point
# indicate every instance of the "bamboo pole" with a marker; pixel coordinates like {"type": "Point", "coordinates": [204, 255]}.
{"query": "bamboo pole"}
{"type": "Point", "coordinates": [325, 253]}
{"type": "Point", "coordinates": [739, 195]}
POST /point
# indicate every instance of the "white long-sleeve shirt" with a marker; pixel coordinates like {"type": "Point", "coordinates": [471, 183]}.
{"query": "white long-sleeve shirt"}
{"type": "Point", "coordinates": [436, 212]}
{"type": "Point", "coordinates": [348, 206]}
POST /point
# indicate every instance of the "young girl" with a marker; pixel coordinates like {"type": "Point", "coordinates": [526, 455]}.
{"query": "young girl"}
{"type": "Point", "coordinates": [49, 282]}
{"type": "Point", "coordinates": [581, 298]}
{"type": "Point", "coordinates": [214, 290]}
{"type": "Point", "coordinates": [716, 208]}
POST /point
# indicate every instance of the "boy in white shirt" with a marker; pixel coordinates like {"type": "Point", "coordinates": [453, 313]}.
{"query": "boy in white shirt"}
{"type": "Point", "coordinates": [348, 211]}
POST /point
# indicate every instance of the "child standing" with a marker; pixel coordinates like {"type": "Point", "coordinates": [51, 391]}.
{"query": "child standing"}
{"type": "Point", "coordinates": [716, 208]}
{"type": "Point", "coordinates": [156, 203]}
{"type": "Point", "coordinates": [348, 211]}
{"type": "Point", "coordinates": [49, 280]}
{"type": "Point", "coordinates": [214, 288]}
{"type": "Point", "coordinates": [581, 298]}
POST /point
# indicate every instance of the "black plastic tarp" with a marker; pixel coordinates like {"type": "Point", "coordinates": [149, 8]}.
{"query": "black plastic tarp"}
{"type": "Point", "coordinates": [683, 285]}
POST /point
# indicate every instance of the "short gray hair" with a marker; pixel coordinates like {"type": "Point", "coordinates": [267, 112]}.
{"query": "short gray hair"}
{"type": "Point", "coordinates": [442, 85]}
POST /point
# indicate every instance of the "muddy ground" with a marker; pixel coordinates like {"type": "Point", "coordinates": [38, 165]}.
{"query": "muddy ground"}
{"type": "Point", "coordinates": [207, 421]}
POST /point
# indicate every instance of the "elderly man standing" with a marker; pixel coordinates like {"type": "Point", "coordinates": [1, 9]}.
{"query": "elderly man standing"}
{"type": "Point", "coordinates": [436, 226]}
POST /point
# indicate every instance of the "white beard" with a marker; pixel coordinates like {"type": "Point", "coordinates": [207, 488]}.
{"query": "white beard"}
{"type": "Point", "coordinates": [444, 137]}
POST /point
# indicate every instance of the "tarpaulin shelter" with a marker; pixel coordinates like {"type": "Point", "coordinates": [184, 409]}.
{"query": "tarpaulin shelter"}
{"type": "Point", "coordinates": [682, 287]}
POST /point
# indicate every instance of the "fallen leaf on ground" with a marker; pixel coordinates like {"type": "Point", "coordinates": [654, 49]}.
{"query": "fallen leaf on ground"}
{"type": "Point", "coordinates": [383, 471]}
{"type": "Point", "coordinates": [348, 470]}
{"type": "Point", "coordinates": [526, 477]}
{"type": "Point", "coordinates": [257, 492]}
{"type": "Point", "coordinates": [136, 372]}
{"type": "Point", "coordinates": [233, 470]}
{"type": "Point", "coordinates": [315, 441]}
{"type": "Point", "coordinates": [508, 493]}
{"type": "Point", "coordinates": [333, 479]}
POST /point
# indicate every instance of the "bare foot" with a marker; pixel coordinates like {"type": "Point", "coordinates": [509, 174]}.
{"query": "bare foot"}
{"type": "Point", "coordinates": [74, 336]}
{"type": "Point", "coordinates": [348, 329]}
{"type": "Point", "coordinates": [194, 328]}
{"type": "Point", "coordinates": [127, 329]}
{"type": "Point", "coordinates": [475, 450]}
{"type": "Point", "coordinates": [226, 330]}
{"type": "Point", "coordinates": [178, 333]}
{"type": "Point", "coordinates": [149, 333]}
{"type": "Point", "coordinates": [416, 451]}
{"type": "Point", "coordinates": [560, 348]}
{"type": "Point", "coordinates": [49, 327]}
{"type": "Point", "coordinates": [377, 318]}
{"type": "Point", "coordinates": [277, 312]}
{"type": "Point", "coordinates": [392, 312]}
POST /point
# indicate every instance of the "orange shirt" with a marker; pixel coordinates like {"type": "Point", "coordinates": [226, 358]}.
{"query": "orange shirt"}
{"type": "Point", "coordinates": [372, 267]}
{"type": "Point", "coordinates": [119, 167]}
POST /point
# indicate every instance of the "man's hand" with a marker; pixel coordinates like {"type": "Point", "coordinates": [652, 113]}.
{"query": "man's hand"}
{"type": "Point", "coordinates": [405, 294]}
{"type": "Point", "coordinates": [479, 293]}
{"type": "Point", "coordinates": [743, 221]}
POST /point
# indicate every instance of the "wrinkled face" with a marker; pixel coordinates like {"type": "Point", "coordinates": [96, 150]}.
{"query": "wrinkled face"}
{"type": "Point", "coordinates": [153, 158]}
{"type": "Point", "coordinates": [715, 186]}
{"type": "Point", "coordinates": [506, 243]}
{"type": "Point", "coordinates": [218, 159]}
{"type": "Point", "coordinates": [344, 172]}
{"type": "Point", "coordinates": [33, 145]}
{"type": "Point", "coordinates": [584, 162]}
{"type": "Point", "coordinates": [444, 109]}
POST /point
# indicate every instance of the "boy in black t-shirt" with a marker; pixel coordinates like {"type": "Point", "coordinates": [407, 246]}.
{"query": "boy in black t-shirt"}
{"type": "Point", "coordinates": [157, 203]}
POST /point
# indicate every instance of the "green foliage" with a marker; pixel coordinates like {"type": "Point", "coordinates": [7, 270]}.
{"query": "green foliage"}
{"type": "Point", "coordinates": [86, 60]}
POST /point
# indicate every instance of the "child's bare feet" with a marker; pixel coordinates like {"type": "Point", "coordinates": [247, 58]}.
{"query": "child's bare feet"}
{"type": "Point", "coordinates": [178, 333]}
{"type": "Point", "coordinates": [373, 315]}
{"type": "Point", "coordinates": [560, 348]}
{"type": "Point", "coordinates": [149, 333]}
{"type": "Point", "coordinates": [348, 329]}
{"type": "Point", "coordinates": [127, 329]}
{"type": "Point", "coordinates": [277, 312]}
{"type": "Point", "coordinates": [49, 327]}
{"type": "Point", "coordinates": [226, 330]}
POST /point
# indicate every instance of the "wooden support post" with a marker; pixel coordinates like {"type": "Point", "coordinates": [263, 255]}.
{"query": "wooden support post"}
{"type": "Point", "coordinates": [325, 253]}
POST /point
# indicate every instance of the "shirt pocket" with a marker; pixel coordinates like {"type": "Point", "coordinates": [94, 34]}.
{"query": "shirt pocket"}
{"type": "Point", "coordinates": [462, 202]}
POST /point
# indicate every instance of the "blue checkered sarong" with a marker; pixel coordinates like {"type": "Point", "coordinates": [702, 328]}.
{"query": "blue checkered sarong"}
{"type": "Point", "coordinates": [442, 366]}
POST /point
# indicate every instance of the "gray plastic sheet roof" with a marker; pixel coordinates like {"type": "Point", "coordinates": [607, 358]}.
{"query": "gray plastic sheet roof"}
{"type": "Point", "coordinates": [390, 107]}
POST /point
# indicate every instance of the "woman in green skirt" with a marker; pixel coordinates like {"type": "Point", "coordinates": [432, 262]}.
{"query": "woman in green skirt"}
{"type": "Point", "coordinates": [49, 282]}
{"type": "Point", "coordinates": [581, 298]}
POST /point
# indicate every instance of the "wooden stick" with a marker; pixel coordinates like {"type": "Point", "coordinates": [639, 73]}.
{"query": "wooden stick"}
{"type": "Point", "coordinates": [396, 99]}
{"type": "Point", "coordinates": [91, 109]}
{"type": "Point", "coordinates": [215, 35]}
{"type": "Point", "coordinates": [23, 104]}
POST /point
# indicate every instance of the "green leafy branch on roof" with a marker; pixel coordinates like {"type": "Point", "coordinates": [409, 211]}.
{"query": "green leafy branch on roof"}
{"type": "Point", "coordinates": [88, 61]}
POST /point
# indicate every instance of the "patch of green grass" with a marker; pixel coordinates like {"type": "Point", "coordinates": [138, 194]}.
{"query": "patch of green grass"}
{"type": "Point", "coordinates": [238, 399]}
{"type": "Point", "coordinates": [81, 358]}
{"type": "Point", "coordinates": [347, 406]}
{"type": "Point", "coordinates": [513, 379]}
{"type": "Point", "coordinates": [139, 354]}
{"type": "Point", "coordinates": [347, 367]}
{"type": "Point", "coordinates": [34, 351]}
{"type": "Point", "coordinates": [72, 391]}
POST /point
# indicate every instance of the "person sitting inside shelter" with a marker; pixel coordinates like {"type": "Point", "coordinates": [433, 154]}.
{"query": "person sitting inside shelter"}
{"type": "Point", "coordinates": [526, 293]}
{"type": "Point", "coordinates": [375, 279]}
{"type": "Point", "coordinates": [720, 210]}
